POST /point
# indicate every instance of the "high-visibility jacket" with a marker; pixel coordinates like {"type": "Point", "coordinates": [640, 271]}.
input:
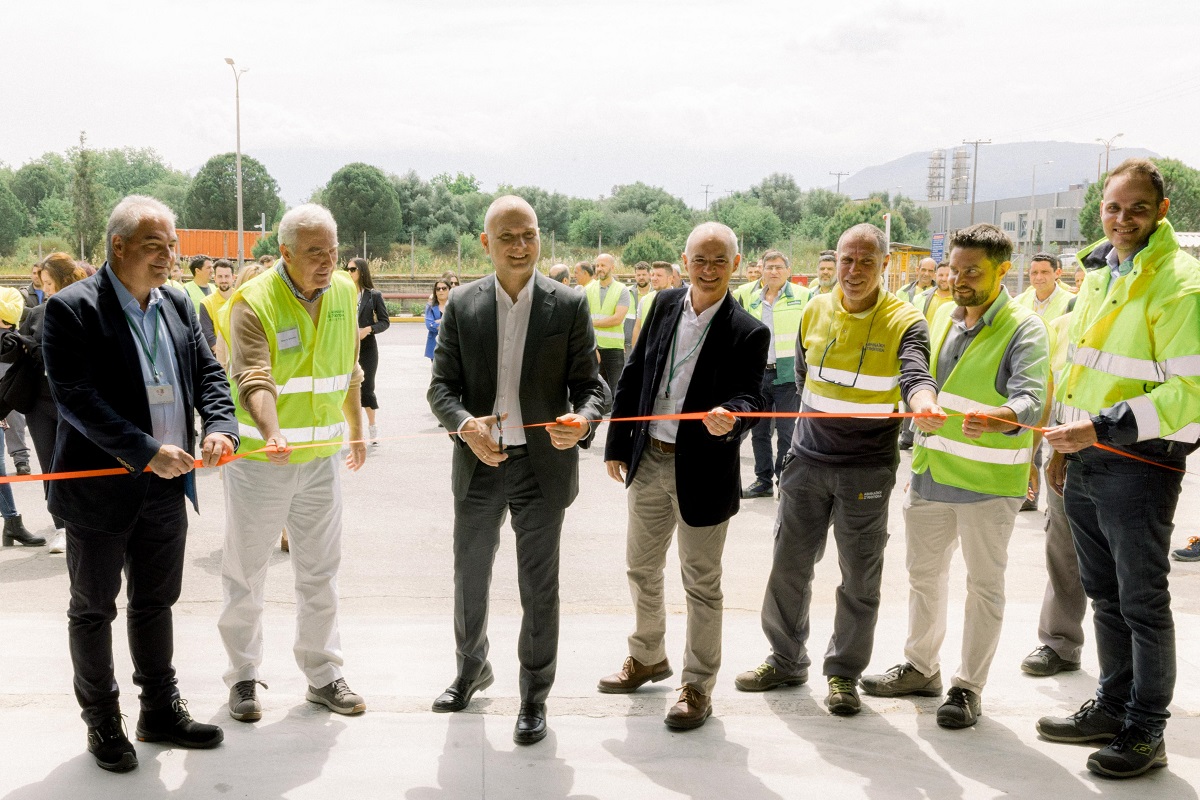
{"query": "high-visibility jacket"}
{"type": "Point", "coordinates": [1138, 341]}
{"type": "Point", "coordinates": [853, 359]}
{"type": "Point", "coordinates": [197, 294]}
{"type": "Point", "coordinates": [177, 285]}
{"type": "Point", "coordinates": [613, 336]}
{"type": "Point", "coordinates": [786, 314]}
{"type": "Point", "coordinates": [311, 364]}
{"type": "Point", "coordinates": [929, 301]}
{"type": "Point", "coordinates": [214, 302]}
{"type": "Point", "coordinates": [1057, 302]}
{"type": "Point", "coordinates": [744, 292]}
{"type": "Point", "coordinates": [909, 293]}
{"type": "Point", "coordinates": [643, 305]}
{"type": "Point", "coordinates": [995, 463]}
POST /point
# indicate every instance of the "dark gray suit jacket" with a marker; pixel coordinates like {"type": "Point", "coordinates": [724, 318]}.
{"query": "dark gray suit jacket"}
{"type": "Point", "coordinates": [559, 375]}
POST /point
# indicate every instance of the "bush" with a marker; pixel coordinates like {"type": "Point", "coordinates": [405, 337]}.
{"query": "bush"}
{"type": "Point", "coordinates": [443, 239]}
{"type": "Point", "coordinates": [648, 246]}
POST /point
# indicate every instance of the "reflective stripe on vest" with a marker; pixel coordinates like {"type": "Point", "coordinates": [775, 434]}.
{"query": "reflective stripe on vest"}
{"type": "Point", "coordinates": [975, 452]}
{"type": "Point", "coordinates": [612, 337]}
{"type": "Point", "coordinates": [831, 405]}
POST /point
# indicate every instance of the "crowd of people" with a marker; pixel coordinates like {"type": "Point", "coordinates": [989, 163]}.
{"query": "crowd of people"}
{"type": "Point", "coordinates": [279, 365]}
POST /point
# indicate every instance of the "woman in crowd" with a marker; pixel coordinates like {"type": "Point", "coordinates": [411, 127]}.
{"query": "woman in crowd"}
{"type": "Point", "coordinates": [433, 313]}
{"type": "Point", "coordinates": [12, 305]}
{"type": "Point", "coordinates": [372, 320]}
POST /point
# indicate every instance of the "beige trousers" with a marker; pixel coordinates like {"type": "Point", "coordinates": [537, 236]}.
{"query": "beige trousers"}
{"type": "Point", "coordinates": [653, 518]}
{"type": "Point", "coordinates": [933, 531]}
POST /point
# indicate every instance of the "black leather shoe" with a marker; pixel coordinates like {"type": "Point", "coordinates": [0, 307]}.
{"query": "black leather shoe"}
{"type": "Point", "coordinates": [109, 745]}
{"type": "Point", "coordinates": [175, 725]}
{"type": "Point", "coordinates": [531, 724]}
{"type": "Point", "coordinates": [459, 693]}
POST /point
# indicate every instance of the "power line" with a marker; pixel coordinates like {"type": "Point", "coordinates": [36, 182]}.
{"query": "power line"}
{"type": "Point", "coordinates": [839, 180]}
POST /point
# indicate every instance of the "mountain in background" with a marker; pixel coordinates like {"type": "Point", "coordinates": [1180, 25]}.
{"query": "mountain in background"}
{"type": "Point", "coordinates": [1005, 170]}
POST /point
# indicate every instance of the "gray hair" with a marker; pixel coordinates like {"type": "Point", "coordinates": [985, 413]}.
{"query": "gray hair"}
{"type": "Point", "coordinates": [129, 213]}
{"type": "Point", "coordinates": [309, 216]}
{"type": "Point", "coordinates": [713, 229]}
{"type": "Point", "coordinates": [865, 230]}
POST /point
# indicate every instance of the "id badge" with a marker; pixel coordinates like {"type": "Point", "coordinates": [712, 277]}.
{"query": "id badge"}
{"type": "Point", "coordinates": [663, 406]}
{"type": "Point", "coordinates": [160, 394]}
{"type": "Point", "coordinates": [286, 340]}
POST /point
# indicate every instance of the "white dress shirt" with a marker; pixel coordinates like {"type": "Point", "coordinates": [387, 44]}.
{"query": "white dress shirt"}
{"type": "Point", "coordinates": [512, 324]}
{"type": "Point", "coordinates": [689, 339]}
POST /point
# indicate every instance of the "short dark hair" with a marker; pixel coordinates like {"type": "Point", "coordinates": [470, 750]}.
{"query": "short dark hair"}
{"type": "Point", "coordinates": [224, 262]}
{"type": "Point", "coordinates": [587, 267]}
{"type": "Point", "coordinates": [770, 254]}
{"type": "Point", "coordinates": [991, 240]}
{"type": "Point", "coordinates": [1144, 167]}
{"type": "Point", "coordinates": [641, 265]}
{"type": "Point", "coordinates": [827, 256]}
{"type": "Point", "coordinates": [666, 265]}
{"type": "Point", "coordinates": [364, 272]}
{"type": "Point", "coordinates": [197, 263]}
{"type": "Point", "coordinates": [1052, 259]}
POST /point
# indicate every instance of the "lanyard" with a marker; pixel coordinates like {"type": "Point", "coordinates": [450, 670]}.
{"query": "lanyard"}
{"type": "Point", "coordinates": [674, 341]}
{"type": "Point", "coordinates": [151, 352]}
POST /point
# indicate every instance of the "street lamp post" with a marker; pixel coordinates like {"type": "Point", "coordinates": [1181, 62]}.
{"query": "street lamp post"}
{"type": "Point", "coordinates": [237, 95]}
{"type": "Point", "coordinates": [1108, 143]}
{"type": "Point", "coordinates": [1032, 222]}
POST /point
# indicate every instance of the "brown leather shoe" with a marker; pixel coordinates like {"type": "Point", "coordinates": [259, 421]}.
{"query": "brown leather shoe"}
{"type": "Point", "coordinates": [632, 675]}
{"type": "Point", "coordinates": [693, 708]}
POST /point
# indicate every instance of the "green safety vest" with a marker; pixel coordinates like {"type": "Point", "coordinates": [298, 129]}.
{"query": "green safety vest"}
{"type": "Point", "coordinates": [744, 292]}
{"type": "Point", "coordinates": [311, 365]}
{"type": "Point", "coordinates": [1058, 302]}
{"type": "Point", "coordinates": [197, 295]}
{"type": "Point", "coordinates": [908, 293]}
{"type": "Point", "coordinates": [612, 337]}
{"type": "Point", "coordinates": [1138, 342]}
{"type": "Point", "coordinates": [873, 388]}
{"type": "Point", "coordinates": [786, 315]}
{"type": "Point", "coordinates": [643, 305]}
{"type": "Point", "coordinates": [995, 463]}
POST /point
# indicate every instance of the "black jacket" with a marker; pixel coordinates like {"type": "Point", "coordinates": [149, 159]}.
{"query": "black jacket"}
{"type": "Point", "coordinates": [729, 373]}
{"type": "Point", "coordinates": [96, 379]}
{"type": "Point", "coordinates": [372, 312]}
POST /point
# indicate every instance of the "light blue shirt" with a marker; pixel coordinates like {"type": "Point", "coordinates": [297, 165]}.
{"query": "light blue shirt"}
{"type": "Point", "coordinates": [168, 421]}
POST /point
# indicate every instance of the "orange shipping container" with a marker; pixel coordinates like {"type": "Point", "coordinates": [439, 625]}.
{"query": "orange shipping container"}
{"type": "Point", "coordinates": [217, 244]}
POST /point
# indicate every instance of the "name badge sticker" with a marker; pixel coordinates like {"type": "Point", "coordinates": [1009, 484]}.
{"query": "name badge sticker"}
{"type": "Point", "coordinates": [160, 394]}
{"type": "Point", "coordinates": [663, 405]}
{"type": "Point", "coordinates": [286, 340]}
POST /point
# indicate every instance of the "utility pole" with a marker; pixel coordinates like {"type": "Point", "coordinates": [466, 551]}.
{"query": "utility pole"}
{"type": "Point", "coordinates": [553, 259]}
{"type": "Point", "coordinates": [412, 251]}
{"type": "Point", "coordinates": [839, 180]}
{"type": "Point", "coordinates": [237, 94]}
{"type": "Point", "coordinates": [975, 172]}
{"type": "Point", "coordinates": [706, 186]}
{"type": "Point", "coordinates": [364, 244]}
{"type": "Point", "coordinates": [1108, 143]}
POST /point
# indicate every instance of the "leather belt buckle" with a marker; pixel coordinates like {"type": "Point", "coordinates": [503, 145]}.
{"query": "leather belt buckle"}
{"type": "Point", "coordinates": [663, 447]}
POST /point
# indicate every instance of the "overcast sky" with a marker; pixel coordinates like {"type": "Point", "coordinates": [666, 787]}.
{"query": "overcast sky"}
{"type": "Point", "coordinates": [580, 96]}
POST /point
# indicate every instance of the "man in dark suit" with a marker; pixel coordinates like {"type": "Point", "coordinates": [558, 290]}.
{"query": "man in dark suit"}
{"type": "Point", "coordinates": [698, 352]}
{"type": "Point", "coordinates": [515, 349]}
{"type": "Point", "coordinates": [128, 365]}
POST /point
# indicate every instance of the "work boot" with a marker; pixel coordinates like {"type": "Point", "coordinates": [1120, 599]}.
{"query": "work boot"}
{"type": "Point", "coordinates": [109, 745]}
{"type": "Point", "coordinates": [843, 697]}
{"type": "Point", "coordinates": [903, 679]}
{"type": "Point", "coordinates": [15, 531]}
{"type": "Point", "coordinates": [765, 677]}
{"type": "Point", "coordinates": [1044, 662]}
{"type": "Point", "coordinates": [243, 701]}
{"type": "Point", "coordinates": [174, 724]}
{"type": "Point", "coordinates": [1134, 752]}
{"type": "Point", "coordinates": [1089, 724]}
{"type": "Point", "coordinates": [961, 709]}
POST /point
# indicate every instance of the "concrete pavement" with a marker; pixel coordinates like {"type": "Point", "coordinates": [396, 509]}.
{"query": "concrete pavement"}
{"type": "Point", "coordinates": [396, 630]}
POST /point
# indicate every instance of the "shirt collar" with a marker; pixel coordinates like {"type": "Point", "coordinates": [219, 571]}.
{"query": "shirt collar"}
{"type": "Point", "coordinates": [281, 268]}
{"type": "Point", "coordinates": [1113, 260]}
{"type": "Point", "coordinates": [689, 312]}
{"type": "Point", "coordinates": [126, 298]}
{"type": "Point", "coordinates": [526, 291]}
{"type": "Point", "coordinates": [988, 317]}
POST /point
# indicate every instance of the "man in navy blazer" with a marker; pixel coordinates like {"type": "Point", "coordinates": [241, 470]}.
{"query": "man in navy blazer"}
{"type": "Point", "coordinates": [128, 366]}
{"type": "Point", "coordinates": [699, 351]}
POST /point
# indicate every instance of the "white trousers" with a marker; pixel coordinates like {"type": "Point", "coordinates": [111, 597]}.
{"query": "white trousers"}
{"type": "Point", "coordinates": [933, 531]}
{"type": "Point", "coordinates": [260, 499]}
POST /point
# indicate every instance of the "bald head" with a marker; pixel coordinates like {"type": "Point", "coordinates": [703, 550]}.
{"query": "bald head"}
{"type": "Point", "coordinates": [604, 264]}
{"type": "Point", "coordinates": [505, 206]}
{"type": "Point", "coordinates": [708, 231]}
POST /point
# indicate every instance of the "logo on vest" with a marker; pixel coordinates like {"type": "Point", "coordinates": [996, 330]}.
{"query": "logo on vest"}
{"type": "Point", "coordinates": [874, 347]}
{"type": "Point", "coordinates": [336, 313]}
{"type": "Point", "coordinates": [876, 495]}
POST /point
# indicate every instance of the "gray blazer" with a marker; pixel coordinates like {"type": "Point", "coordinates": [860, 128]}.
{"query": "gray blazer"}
{"type": "Point", "coordinates": [559, 376]}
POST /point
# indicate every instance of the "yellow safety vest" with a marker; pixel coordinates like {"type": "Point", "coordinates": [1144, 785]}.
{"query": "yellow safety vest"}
{"type": "Point", "coordinates": [1057, 303]}
{"type": "Point", "coordinates": [311, 365]}
{"type": "Point", "coordinates": [1138, 341]}
{"type": "Point", "coordinates": [995, 463]}
{"type": "Point", "coordinates": [611, 337]}
{"type": "Point", "coordinates": [643, 306]}
{"type": "Point", "coordinates": [854, 359]}
{"type": "Point", "coordinates": [786, 314]}
{"type": "Point", "coordinates": [197, 295]}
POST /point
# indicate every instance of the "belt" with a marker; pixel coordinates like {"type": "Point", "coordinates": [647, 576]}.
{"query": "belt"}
{"type": "Point", "coordinates": [771, 368]}
{"type": "Point", "coordinates": [662, 447]}
{"type": "Point", "coordinates": [516, 449]}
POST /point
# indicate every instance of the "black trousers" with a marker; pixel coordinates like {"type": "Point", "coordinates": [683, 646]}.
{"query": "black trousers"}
{"type": "Point", "coordinates": [150, 554]}
{"type": "Point", "coordinates": [368, 359]}
{"type": "Point", "coordinates": [612, 361]}
{"type": "Point", "coordinates": [42, 421]}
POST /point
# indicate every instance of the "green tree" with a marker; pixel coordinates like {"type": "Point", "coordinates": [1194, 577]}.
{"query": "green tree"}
{"type": "Point", "coordinates": [553, 209]}
{"type": "Point", "coordinates": [362, 200]}
{"type": "Point", "coordinates": [36, 181]}
{"type": "Point", "coordinates": [755, 224]}
{"type": "Point", "coordinates": [211, 199]}
{"type": "Point", "coordinates": [780, 193]}
{"type": "Point", "coordinates": [54, 217]}
{"type": "Point", "coordinates": [87, 210]}
{"type": "Point", "coordinates": [267, 245]}
{"type": "Point", "coordinates": [591, 226]}
{"type": "Point", "coordinates": [648, 246]}
{"type": "Point", "coordinates": [673, 225]}
{"type": "Point", "coordinates": [1089, 214]}
{"type": "Point", "coordinates": [460, 184]}
{"type": "Point", "coordinates": [443, 239]}
{"type": "Point", "coordinates": [14, 218]}
{"type": "Point", "coordinates": [871, 211]}
{"type": "Point", "coordinates": [627, 224]}
{"type": "Point", "coordinates": [640, 197]}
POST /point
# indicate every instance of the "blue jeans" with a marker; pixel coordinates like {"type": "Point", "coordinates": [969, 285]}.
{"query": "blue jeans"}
{"type": "Point", "coordinates": [8, 506]}
{"type": "Point", "coordinates": [782, 398]}
{"type": "Point", "coordinates": [1121, 514]}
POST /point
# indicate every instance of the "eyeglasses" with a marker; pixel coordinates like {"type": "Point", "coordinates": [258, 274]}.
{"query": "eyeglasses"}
{"type": "Point", "coordinates": [443, 288]}
{"type": "Point", "coordinates": [862, 355]}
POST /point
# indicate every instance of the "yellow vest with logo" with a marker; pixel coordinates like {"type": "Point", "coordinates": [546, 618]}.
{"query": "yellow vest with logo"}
{"type": "Point", "coordinates": [1138, 342]}
{"type": "Point", "coordinates": [311, 364]}
{"type": "Point", "coordinates": [611, 337]}
{"type": "Point", "coordinates": [853, 359]}
{"type": "Point", "coordinates": [995, 463]}
{"type": "Point", "coordinates": [786, 314]}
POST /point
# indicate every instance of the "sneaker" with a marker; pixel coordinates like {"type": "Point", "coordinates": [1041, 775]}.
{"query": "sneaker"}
{"type": "Point", "coordinates": [337, 697]}
{"type": "Point", "coordinates": [1089, 724]}
{"type": "Point", "coordinates": [961, 709]}
{"type": "Point", "coordinates": [373, 435]}
{"type": "Point", "coordinates": [243, 701]}
{"type": "Point", "coordinates": [1189, 553]}
{"type": "Point", "coordinates": [765, 677]}
{"type": "Point", "coordinates": [903, 679]}
{"type": "Point", "coordinates": [59, 543]}
{"type": "Point", "coordinates": [1133, 752]}
{"type": "Point", "coordinates": [759, 488]}
{"type": "Point", "coordinates": [109, 745]}
{"type": "Point", "coordinates": [1043, 662]}
{"type": "Point", "coordinates": [843, 697]}
{"type": "Point", "coordinates": [22, 467]}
